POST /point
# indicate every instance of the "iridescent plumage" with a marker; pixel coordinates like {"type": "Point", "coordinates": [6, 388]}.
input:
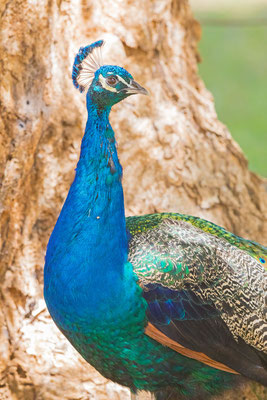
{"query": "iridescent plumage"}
{"type": "Point", "coordinates": [201, 263]}
{"type": "Point", "coordinates": [167, 303]}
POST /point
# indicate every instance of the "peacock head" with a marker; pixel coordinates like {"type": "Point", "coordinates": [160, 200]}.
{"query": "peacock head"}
{"type": "Point", "coordinates": [107, 84]}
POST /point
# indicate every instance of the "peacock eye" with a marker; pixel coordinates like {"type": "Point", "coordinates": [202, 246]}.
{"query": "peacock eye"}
{"type": "Point", "coordinates": [111, 80]}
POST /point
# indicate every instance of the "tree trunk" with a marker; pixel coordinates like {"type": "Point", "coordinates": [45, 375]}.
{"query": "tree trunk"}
{"type": "Point", "coordinates": [176, 156]}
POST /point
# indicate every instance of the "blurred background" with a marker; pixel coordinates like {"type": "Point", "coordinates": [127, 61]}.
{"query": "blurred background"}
{"type": "Point", "coordinates": [233, 49]}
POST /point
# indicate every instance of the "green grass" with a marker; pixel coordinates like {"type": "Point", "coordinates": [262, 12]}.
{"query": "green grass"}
{"type": "Point", "coordinates": [234, 69]}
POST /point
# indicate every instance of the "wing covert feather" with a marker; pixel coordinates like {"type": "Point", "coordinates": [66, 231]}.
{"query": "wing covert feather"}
{"type": "Point", "coordinates": [229, 283]}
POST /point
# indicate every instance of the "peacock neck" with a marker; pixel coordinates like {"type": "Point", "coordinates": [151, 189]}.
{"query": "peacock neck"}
{"type": "Point", "coordinates": [98, 188]}
{"type": "Point", "coordinates": [91, 226]}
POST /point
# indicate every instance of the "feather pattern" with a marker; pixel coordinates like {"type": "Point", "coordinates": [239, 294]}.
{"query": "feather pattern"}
{"type": "Point", "coordinates": [198, 284]}
{"type": "Point", "coordinates": [177, 255]}
{"type": "Point", "coordinates": [157, 335]}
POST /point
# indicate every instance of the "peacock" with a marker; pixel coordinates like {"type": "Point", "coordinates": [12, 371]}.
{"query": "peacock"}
{"type": "Point", "coordinates": [167, 303]}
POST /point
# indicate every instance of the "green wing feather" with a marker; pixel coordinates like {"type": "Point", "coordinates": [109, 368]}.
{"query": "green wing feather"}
{"type": "Point", "coordinates": [188, 253]}
{"type": "Point", "coordinates": [143, 223]}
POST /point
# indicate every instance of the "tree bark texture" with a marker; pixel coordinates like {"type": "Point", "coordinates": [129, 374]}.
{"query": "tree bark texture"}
{"type": "Point", "coordinates": [176, 156]}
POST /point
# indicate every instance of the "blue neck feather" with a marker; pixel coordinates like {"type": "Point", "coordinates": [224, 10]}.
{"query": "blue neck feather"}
{"type": "Point", "coordinates": [88, 247]}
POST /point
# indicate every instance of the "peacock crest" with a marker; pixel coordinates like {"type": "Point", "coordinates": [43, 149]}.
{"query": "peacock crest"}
{"type": "Point", "coordinates": [87, 61]}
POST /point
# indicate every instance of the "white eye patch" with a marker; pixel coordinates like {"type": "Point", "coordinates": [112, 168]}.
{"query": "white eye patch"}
{"type": "Point", "coordinates": [123, 81]}
{"type": "Point", "coordinates": [104, 84]}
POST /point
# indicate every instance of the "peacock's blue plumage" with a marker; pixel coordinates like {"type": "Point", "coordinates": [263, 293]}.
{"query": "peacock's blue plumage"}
{"type": "Point", "coordinates": [167, 303]}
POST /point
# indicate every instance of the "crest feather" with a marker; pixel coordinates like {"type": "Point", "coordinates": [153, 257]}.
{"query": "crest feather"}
{"type": "Point", "coordinates": [86, 63]}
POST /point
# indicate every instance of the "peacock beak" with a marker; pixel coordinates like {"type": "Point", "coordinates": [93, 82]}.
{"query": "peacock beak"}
{"type": "Point", "coordinates": [135, 88]}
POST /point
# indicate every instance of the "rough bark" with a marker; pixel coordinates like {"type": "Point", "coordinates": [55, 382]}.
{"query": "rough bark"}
{"type": "Point", "coordinates": [176, 156]}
